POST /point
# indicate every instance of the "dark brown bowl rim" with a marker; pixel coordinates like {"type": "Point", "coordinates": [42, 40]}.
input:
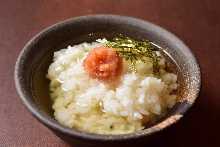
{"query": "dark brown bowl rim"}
{"type": "Point", "coordinates": [97, 137]}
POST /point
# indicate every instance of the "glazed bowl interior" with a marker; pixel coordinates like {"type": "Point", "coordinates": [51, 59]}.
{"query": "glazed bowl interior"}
{"type": "Point", "coordinates": [37, 55]}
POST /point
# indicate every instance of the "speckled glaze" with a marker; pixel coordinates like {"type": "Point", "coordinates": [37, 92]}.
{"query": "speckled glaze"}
{"type": "Point", "coordinates": [36, 56]}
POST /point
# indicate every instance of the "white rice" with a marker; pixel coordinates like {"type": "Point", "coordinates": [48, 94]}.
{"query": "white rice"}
{"type": "Point", "coordinates": [93, 106]}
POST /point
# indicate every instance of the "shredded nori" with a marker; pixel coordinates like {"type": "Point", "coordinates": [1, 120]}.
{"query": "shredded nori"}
{"type": "Point", "coordinates": [133, 50]}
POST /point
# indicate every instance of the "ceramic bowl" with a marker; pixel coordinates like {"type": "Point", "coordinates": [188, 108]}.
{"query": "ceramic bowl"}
{"type": "Point", "coordinates": [35, 58]}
